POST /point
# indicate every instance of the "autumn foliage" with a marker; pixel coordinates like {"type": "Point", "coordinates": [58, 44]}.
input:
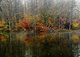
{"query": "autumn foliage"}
{"type": "Point", "coordinates": [3, 27]}
{"type": "Point", "coordinates": [28, 23]}
{"type": "Point", "coordinates": [76, 24]}
{"type": "Point", "coordinates": [23, 25]}
{"type": "Point", "coordinates": [41, 27]}
{"type": "Point", "coordinates": [40, 22]}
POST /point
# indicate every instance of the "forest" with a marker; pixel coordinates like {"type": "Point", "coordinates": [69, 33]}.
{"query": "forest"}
{"type": "Point", "coordinates": [52, 27]}
{"type": "Point", "coordinates": [43, 15]}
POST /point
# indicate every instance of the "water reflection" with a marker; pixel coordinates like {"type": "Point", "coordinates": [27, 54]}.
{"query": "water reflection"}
{"type": "Point", "coordinates": [11, 47]}
{"type": "Point", "coordinates": [50, 46]}
{"type": "Point", "coordinates": [39, 45]}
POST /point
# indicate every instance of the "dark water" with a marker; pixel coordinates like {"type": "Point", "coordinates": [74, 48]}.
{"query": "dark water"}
{"type": "Point", "coordinates": [40, 45]}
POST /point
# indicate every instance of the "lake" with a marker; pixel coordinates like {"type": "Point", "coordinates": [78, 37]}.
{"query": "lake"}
{"type": "Point", "coordinates": [23, 44]}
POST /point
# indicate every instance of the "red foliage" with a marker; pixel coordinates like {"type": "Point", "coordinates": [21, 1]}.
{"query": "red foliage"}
{"type": "Point", "coordinates": [41, 27]}
{"type": "Point", "coordinates": [24, 24]}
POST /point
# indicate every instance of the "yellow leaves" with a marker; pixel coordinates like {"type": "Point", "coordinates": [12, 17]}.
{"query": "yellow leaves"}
{"type": "Point", "coordinates": [5, 27]}
{"type": "Point", "coordinates": [37, 16]}
{"type": "Point", "coordinates": [32, 19]}
{"type": "Point", "coordinates": [75, 38]}
{"type": "Point", "coordinates": [2, 23]}
{"type": "Point", "coordinates": [26, 16]}
{"type": "Point", "coordinates": [42, 35]}
{"type": "Point", "coordinates": [75, 24]}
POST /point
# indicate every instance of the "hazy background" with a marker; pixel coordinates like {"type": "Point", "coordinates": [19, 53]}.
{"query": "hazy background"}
{"type": "Point", "coordinates": [78, 3]}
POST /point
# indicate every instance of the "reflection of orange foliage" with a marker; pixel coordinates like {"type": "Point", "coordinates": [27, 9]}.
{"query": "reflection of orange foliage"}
{"type": "Point", "coordinates": [55, 28]}
{"type": "Point", "coordinates": [42, 35]}
{"type": "Point", "coordinates": [2, 38]}
{"type": "Point", "coordinates": [44, 38]}
{"type": "Point", "coordinates": [40, 38]}
{"type": "Point", "coordinates": [28, 39]}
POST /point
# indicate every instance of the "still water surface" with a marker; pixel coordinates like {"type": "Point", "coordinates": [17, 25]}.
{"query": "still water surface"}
{"type": "Point", "coordinates": [40, 45]}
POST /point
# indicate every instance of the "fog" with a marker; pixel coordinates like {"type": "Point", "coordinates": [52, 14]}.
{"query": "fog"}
{"type": "Point", "coordinates": [61, 8]}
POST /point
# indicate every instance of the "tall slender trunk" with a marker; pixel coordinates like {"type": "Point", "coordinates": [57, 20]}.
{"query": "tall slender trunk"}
{"type": "Point", "coordinates": [59, 24]}
{"type": "Point", "coordinates": [16, 22]}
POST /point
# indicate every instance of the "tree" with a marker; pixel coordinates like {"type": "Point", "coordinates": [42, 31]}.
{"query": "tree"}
{"type": "Point", "coordinates": [72, 6]}
{"type": "Point", "coordinates": [0, 6]}
{"type": "Point", "coordinates": [0, 9]}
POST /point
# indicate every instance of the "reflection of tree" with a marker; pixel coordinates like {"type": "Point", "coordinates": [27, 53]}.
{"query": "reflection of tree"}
{"type": "Point", "coordinates": [51, 46]}
{"type": "Point", "coordinates": [0, 6]}
{"type": "Point", "coordinates": [12, 48]}
{"type": "Point", "coordinates": [45, 45]}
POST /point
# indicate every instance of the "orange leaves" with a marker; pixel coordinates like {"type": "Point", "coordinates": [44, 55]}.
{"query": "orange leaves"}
{"type": "Point", "coordinates": [41, 27]}
{"type": "Point", "coordinates": [37, 21]}
{"type": "Point", "coordinates": [24, 24]}
{"type": "Point", "coordinates": [55, 28]}
{"type": "Point", "coordinates": [0, 25]}
{"type": "Point", "coordinates": [2, 38]}
{"type": "Point", "coordinates": [42, 35]}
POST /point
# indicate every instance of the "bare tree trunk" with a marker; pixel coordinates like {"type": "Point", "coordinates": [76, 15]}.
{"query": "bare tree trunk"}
{"type": "Point", "coordinates": [16, 22]}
